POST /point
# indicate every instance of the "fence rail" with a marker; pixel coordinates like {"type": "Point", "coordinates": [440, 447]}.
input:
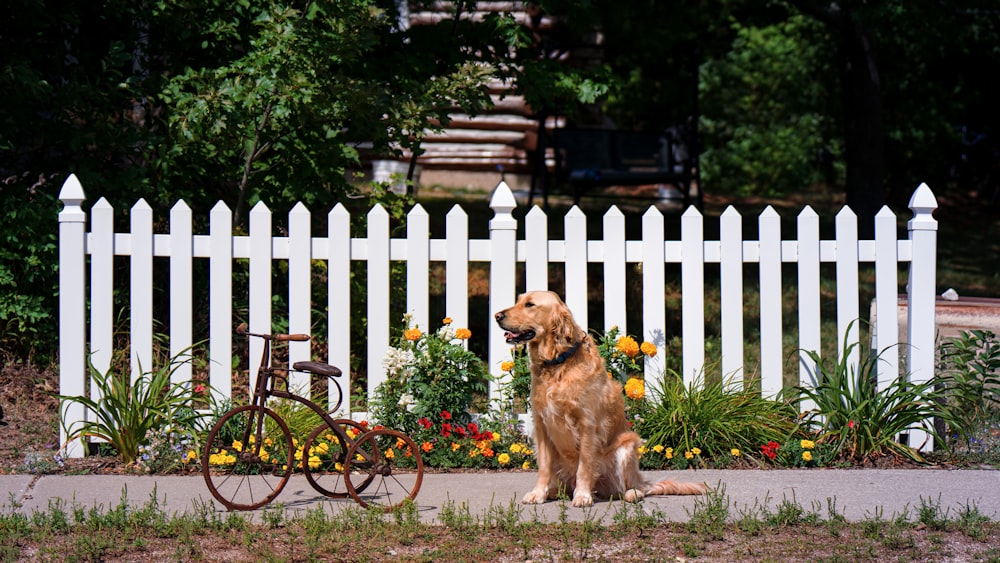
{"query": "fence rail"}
{"type": "Point", "coordinates": [503, 252]}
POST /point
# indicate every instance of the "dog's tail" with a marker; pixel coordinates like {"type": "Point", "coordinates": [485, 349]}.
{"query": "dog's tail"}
{"type": "Point", "coordinates": [671, 487]}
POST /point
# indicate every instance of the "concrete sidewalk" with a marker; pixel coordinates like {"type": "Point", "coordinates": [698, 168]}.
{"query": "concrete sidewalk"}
{"type": "Point", "coordinates": [858, 493]}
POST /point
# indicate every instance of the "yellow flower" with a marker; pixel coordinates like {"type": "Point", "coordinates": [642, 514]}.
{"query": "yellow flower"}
{"type": "Point", "coordinates": [314, 462]}
{"type": "Point", "coordinates": [446, 321]}
{"type": "Point", "coordinates": [191, 456]}
{"type": "Point", "coordinates": [238, 445]}
{"type": "Point", "coordinates": [526, 465]}
{"type": "Point", "coordinates": [807, 456]}
{"type": "Point", "coordinates": [463, 334]}
{"type": "Point", "coordinates": [628, 346]}
{"type": "Point", "coordinates": [735, 452]}
{"type": "Point", "coordinates": [669, 453]}
{"type": "Point", "coordinates": [516, 448]}
{"type": "Point", "coordinates": [390, 453]}
{"type": "Point", "coordinates": [635, 388]}
{"type": "Point", "coordinates": [351, 433]}
{"type": "Point", "coordinates": [507, 366]}
{"type": "Point", "coordinates": [688, 454]}
{"type": "Point", "coordinates": [643, 450]}
{"type": "Point", "coordinates": [807, 444]}
{"type": "Point", "coordinates": [455, 446]}
{"type": "Point", "coordinates": [696, 451]}
{"type": "Point", "coordinates": [648, 348]}
{"type": "Point", "coordinates": [503, 459]}
{"type": "Point", "coordinates": [339, 466]}
{"type": "Point", "coordinates": [412, 334]}
{"type": "Point", "coordinates": [658, 448]}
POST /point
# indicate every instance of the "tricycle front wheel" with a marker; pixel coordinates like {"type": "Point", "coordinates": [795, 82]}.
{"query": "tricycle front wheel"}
{"type": "Point", "coordinates": [383, 469]}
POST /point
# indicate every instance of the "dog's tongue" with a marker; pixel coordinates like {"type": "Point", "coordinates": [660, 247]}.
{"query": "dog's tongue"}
{"type": "Point", "coordinates": [509, 335]}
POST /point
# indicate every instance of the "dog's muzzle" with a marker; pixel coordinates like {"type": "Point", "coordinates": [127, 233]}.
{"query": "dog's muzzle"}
{"type": "Point", "coordinates": [513, 337]}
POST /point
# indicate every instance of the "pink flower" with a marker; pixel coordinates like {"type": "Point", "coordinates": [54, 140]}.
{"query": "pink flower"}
{"type": "Point", "coordinates": [850, 424]}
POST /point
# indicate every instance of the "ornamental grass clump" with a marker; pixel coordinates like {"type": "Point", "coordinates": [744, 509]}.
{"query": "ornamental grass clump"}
{"type": "Point", "coordinates": [969, 372]}
{"type": "Point", "coordinates": [716, 419]}
{"type": "Point", "coordinates": [127, 414]}
{"type": "Point", "coordinates": [859, 420]}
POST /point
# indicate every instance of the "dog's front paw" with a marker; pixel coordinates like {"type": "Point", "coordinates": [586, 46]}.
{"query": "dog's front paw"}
{"type": "Point", "coordinates": [534, 497]}
{"type": "Point", "coordinates": [581, 500]}
{"type": "Point", "coordinates": [634, 495]}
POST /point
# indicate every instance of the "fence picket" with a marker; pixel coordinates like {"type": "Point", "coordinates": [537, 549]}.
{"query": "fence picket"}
{"type": "Point", "coordinates": [378, 294]}
{"type": "Point", "coordinates": [181, 296]}
{"type": "Point", "coordinates": [577, 255]}
{"type": "Point", "coordinates": [809, 304]}
{"type": "Point", "coordinates": [141, 289]}
{"type": "Point", "coordinates": [220, 305]}
{"type": "Point", "coordinates": [847, 278]}
{"type": "Point", "coordinates": [654, 315]}
{"type": "Point", "coordinates": [261, 258]}
{"type": "Point", "coordinates": [614, 269]}
{"type": "Point", "coordinates": [731, 294]}
{"type": "Point", "coordinates": [693, 294]}
{"type": "Point", "coordinates": [102, 256]}
{"type": "Point", "coordinates": [885, 335]}
{"type": "Point", "coordinates": [338, 312]}
{"type": "Point", "coordinates": [536, 254]}
{"type": "Point", "coordinates": [299, 291]}
{"type": "Point", "coordinates": [457, 266]}
{"type": "Point", "coordinates": [771, 378]}
{"type": "Point", "coordinates": [418, 267]}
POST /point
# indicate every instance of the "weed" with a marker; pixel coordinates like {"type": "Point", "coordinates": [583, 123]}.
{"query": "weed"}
{"type": "Point", "coordinates": [709, 514]}
{"type": "Point", "coordinates": [931, 515]}
{"type": "Point", "coordinates": [971, 522]}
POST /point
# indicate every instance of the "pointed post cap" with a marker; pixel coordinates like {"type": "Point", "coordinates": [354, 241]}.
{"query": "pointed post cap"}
{"type": "Point", "coordinates": [71, 193]}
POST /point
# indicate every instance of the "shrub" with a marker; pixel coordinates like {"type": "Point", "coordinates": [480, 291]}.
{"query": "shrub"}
{"type": "Point", "coordinates": [428, 374]}
{"type": "Point", "coordinates": [969, 374]}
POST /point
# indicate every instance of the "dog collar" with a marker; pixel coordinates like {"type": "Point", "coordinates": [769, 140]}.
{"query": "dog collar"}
{"type": "Point", "coordinates": [564, 356]}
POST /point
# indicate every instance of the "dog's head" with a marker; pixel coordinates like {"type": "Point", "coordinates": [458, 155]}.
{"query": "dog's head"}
{"type": "Point", "coordinates": [539, 316]}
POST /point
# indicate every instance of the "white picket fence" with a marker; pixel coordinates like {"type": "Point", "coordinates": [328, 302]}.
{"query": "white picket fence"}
{"type": "Point", "coordinates": [89, 330]}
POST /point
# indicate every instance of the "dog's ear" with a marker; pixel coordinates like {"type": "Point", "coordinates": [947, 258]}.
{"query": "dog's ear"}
{"type": "Point", "coordinates": [564, 329]}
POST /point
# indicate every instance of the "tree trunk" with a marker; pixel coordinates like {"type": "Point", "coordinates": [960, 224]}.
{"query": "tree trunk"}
{"type": "Point", "coordinates": [863, 125]}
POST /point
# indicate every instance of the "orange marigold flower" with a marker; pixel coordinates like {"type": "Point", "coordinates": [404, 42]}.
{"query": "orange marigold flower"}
{"type": "Point", "coordinates": [648, 348]}
{"type": "Point", "coordinates": [635, 388]}
{"type": "Point", "coordinates": [427, 446]}
{"type": "Point", "coordinates": [507, 366]}
{"type": "Point", "coordinates": [412, 334]}
{"type": "Point", "coordinates": [390, 453]}
{"type": "Point", "coordinates": [455, 446]}
{"type": "Point", "coordinates": [628, 346]}
{"type": "Point", "coordinates": [463, 334]}
{"type": "Point", "coordinates": [446, 321]}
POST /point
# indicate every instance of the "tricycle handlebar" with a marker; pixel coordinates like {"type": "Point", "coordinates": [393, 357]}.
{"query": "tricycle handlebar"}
{"type": "Point", "coordinates": [243, 330]}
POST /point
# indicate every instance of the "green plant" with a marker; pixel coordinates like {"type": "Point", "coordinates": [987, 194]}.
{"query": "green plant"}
{"type": "Point", "coordinates": [125, 412]}
{"type": "Point", "coordinates": [428, 374]}
{"type": "Point", "coordinates": [969, 372]}
{"type": "Point", "coordinates": [715, 418]}
{"type": "Point", "coordinates": [862, 421]}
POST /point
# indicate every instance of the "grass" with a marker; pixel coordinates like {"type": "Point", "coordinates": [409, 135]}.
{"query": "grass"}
{"type": "Point", "coordinates": [785, 532]}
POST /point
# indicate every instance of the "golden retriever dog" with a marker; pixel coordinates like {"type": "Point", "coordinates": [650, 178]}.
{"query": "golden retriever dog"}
{"type": "Point", "coordinates": [582, 440]}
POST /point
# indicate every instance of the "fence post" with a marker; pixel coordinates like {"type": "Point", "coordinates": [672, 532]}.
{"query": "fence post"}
{"type": "Point", "coordinates": [503, 266]}
{"type": "Point", "coordinates": [921, 294]}
{"type": "Point", "coordinates": [72, 309]}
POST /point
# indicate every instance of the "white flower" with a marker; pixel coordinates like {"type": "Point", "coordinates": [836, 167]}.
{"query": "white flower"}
{"type": "Point", "coordinates": [397, 362]}
{"type": "Point", "coordinates": [407, 401]}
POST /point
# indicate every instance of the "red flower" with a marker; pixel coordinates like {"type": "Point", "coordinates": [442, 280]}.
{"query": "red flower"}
{"type": "Point", "coordinates": [445, 415]}
{"type": "Point", "coordinates": [446, 429]}
{"type": "Point", "coordinates": [424, 422]}
{"type": "Point", "coordinates": [472, 428]}
{"type": "Point", "coordinates": [770, 449]}
{"type": "Point", "coordinates": [199, 389]}
{"type": "Point", "coordinates": [459, 430]}
{"type": "Point", "coordinates": [850, 424]}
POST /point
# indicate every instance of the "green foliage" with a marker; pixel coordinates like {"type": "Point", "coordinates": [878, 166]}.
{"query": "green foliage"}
{"type": "Point", "coordinates": [766, 119]}
{"type": "Point", "coordinates": [623, 356]}
{"type": "Point", "coordinates": [427, 374]}
{"type": "Point", "coordinates": [126, 412]}
{"type": "Point", "coordinates": [28, 272]}
{"type": "Point", "coordinates": [715, 418]}
{"type": "Point", "coordinates": [970, 374]}
{"type": "Point", "coordinates": [860, 420]}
